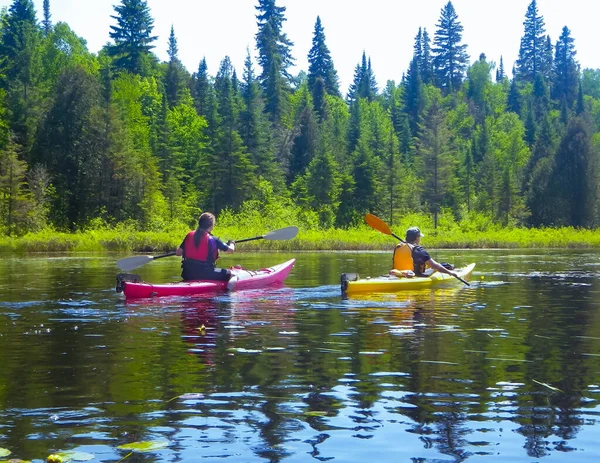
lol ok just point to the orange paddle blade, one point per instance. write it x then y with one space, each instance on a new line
378 224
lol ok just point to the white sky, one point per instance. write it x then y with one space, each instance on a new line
384 29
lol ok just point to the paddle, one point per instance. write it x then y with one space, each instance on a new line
379 225
129 263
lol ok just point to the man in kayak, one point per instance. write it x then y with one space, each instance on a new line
409 257
200 251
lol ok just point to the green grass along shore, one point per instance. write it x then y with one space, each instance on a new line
122 239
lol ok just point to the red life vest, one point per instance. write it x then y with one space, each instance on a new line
200 253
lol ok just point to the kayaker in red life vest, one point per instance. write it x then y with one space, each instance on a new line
411 259
200 251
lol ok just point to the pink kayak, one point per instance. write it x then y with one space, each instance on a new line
134 288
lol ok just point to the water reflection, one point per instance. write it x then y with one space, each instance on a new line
508 367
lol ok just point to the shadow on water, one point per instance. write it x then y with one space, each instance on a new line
508 367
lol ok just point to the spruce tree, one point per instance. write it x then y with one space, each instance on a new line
565 80
232 172
436 158
450 55
320 64
132 36
47 23
305 143
274 56
500 74
426 67
364 84
20 24
533 45
176 77
413 96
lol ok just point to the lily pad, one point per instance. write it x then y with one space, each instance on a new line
148 446
15 460
315 413
69 455
4 452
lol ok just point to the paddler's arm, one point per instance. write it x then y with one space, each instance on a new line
431 263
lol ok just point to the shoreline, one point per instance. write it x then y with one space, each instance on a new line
352 240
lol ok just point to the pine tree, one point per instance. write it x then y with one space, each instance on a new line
547 59
450 56
132 36
533 45
320 64
47 22
274 56
566 70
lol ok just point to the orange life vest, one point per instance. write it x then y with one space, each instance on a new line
403 259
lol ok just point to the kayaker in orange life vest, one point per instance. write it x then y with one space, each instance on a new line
411 259
200 251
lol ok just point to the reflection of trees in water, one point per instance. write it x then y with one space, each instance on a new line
555 338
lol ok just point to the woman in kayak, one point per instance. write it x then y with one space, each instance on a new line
200 251
409 257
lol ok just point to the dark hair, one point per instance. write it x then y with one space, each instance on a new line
205 221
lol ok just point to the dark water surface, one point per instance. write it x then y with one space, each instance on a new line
507 370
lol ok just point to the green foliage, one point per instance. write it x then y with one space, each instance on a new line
132 36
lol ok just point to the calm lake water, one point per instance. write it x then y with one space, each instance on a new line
507 370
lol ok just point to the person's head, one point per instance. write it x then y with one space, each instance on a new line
413 235
206 221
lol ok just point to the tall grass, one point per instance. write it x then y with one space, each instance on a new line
127 239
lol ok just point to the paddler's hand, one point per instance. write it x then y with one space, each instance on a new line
231 245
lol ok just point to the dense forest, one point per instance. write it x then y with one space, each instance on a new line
119 136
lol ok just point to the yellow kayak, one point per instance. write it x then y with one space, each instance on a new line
351 283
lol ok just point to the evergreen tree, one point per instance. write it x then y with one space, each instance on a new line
254 128
500 74
436 158
450 56
47 22
176 77
513 102
547 59
305 143
204 98
274 56
20 52
533 45
230 166
15 200
364 84
413 96
426 68
132 36
320 64
19 25
565 80
575 176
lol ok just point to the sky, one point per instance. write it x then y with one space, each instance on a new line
384 29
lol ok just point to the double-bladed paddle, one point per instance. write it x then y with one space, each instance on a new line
129 263
379 225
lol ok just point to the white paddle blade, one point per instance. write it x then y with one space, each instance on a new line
129 263
286 233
